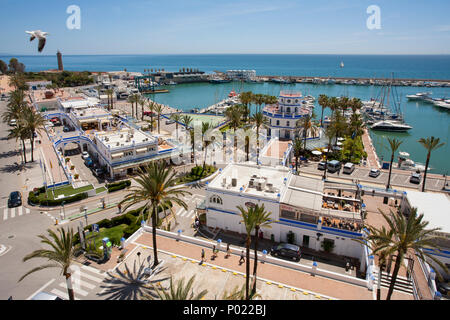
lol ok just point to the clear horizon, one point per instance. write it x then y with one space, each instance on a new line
175 27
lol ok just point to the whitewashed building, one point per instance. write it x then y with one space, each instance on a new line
298 206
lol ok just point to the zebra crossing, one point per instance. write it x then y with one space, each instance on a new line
85 280
196 199
10 213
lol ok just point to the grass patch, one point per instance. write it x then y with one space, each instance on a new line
196 174
100 190
114 234
66 191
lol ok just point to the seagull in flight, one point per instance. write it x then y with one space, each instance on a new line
40 35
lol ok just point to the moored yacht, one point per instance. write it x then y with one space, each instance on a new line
421 96
391 125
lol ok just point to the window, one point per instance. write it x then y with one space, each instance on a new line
289 101
287 123
127 154
296 101
278 122
288 110
216 199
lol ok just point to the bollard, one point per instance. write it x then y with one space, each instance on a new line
56 221
314 268
179 234
219 242
264 256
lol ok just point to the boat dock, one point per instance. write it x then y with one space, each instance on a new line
359 81
221 106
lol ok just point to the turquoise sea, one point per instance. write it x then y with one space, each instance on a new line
427 120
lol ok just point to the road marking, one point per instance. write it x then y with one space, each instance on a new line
27 211
179 211
61 294
88 276
92 269
76 290
40 289
182 215
5 214
190 213
13 212
84 283
20 211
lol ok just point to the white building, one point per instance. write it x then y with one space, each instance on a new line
76 103
283 116
436 210
91 118
298 205
241 74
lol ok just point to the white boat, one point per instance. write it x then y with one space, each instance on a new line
342 64
442 104
390 125
421 96
405 163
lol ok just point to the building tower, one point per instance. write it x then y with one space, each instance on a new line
60 63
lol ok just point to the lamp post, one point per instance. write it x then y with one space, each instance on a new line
85 215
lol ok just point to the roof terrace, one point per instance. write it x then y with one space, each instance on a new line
124 138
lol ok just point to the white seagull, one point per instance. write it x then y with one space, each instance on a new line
40 35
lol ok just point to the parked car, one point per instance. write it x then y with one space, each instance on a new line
13 122
88 162
85 155
15 199
334 166
286 250
349 168
443 287
98 172
45 296
374 173
66 129
169 122
415 178
321 165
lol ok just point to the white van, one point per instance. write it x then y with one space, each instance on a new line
348 168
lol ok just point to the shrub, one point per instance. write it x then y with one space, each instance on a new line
76 175
105 223
67 160
72 167
52 203
127 219
128 231
118 186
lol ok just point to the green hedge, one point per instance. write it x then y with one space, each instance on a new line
118 185
33 199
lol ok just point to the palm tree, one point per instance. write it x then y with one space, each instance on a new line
394 144
109 93
323 102
20 133
430 144
239 294
186 120
151 107
307 127
260 122
246 98
142 103
18 82
15 106
60 255
258 99
261 220
158 110
330 133
207 140
179 291
177 118
234 117
156 187
32 122
134 99
404 234
249 220
297 148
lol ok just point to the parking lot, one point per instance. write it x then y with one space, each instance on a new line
398 178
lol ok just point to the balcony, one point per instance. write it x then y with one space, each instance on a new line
275 112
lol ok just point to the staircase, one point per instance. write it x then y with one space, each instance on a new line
401 283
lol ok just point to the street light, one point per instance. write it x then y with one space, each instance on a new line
64 212
85 215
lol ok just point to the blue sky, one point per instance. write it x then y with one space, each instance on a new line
212 26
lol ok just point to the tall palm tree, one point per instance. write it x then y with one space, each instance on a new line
179 291
60 255
307 126
394 144
156 187
262 220
323 102
15 106
158 110
234 115
110 93
134 100
177 118
330 133
207 140
151 107
258 99
19 132
298 149
186 120
404 234
260 122
430 144
32 122
142 103
18 82
249 220
246 98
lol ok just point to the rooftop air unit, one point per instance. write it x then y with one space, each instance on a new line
234 182
251 183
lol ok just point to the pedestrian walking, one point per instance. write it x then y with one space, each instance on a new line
214 251
119 206
203 254
228 251
242 259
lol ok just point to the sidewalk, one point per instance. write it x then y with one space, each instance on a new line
325 286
